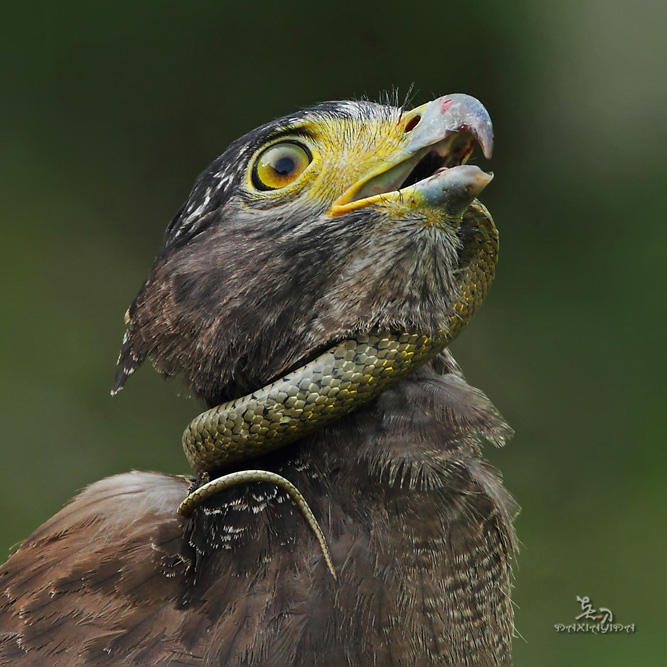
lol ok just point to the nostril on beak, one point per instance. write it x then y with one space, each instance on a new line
412 123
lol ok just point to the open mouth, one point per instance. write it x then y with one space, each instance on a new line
451 152
430 164
411 175
444 134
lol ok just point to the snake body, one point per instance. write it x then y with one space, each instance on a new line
339 380
348 375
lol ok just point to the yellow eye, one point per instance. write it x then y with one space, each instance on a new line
280 165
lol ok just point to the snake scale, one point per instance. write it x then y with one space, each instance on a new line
348 375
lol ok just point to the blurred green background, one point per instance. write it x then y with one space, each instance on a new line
108 111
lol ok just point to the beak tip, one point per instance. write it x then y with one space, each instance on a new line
455 113
487 148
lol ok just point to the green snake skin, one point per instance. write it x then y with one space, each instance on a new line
351 373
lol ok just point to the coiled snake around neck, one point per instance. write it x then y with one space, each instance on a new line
346 376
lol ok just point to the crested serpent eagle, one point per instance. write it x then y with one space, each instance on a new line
306 291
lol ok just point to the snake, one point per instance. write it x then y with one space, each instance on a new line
346 376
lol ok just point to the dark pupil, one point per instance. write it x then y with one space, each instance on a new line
284 166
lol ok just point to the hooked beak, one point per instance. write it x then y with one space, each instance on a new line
430 167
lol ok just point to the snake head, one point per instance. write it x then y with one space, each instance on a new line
335 220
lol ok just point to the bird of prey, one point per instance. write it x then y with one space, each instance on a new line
318 230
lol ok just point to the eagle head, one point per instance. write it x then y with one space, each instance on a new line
329 222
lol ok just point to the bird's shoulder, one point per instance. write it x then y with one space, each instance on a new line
92 570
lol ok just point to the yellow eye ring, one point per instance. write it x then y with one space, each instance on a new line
280 165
